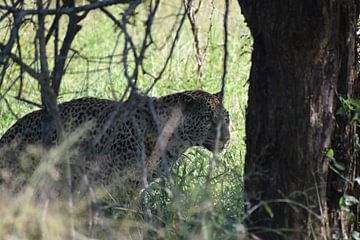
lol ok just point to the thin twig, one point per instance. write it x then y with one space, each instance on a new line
29 102
171 49
192 16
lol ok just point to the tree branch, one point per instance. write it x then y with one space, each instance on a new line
66 11
72 29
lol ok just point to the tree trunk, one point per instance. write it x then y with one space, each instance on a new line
304 59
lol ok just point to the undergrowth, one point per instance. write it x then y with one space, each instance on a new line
189 205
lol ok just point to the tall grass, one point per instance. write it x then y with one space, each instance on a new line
184 207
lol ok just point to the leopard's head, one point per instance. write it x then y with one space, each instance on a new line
206 121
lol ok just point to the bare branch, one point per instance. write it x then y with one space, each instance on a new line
42 44
66 11
29 70
72 29
29 102
223 78
192 16
5 49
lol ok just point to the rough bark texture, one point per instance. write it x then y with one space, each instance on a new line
303 61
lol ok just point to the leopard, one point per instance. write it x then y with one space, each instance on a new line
137 139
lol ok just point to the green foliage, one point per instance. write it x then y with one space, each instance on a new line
347 203
194 201
348 200
335 165
350 106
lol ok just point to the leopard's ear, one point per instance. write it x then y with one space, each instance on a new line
219 95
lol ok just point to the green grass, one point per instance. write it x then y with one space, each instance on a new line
209 214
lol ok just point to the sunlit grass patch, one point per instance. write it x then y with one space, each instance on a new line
189 205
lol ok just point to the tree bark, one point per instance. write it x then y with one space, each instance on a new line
304 59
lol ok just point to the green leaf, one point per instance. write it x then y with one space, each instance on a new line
337 165
355 235
268 209
343 206
353 102
350 200
330 153
341 202
349 105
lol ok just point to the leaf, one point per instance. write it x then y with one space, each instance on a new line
268 209
342 205
330 153
349 105
338 166
355 235
341 202
353 102
350 200
357 180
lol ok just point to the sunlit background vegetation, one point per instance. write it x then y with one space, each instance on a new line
191 205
